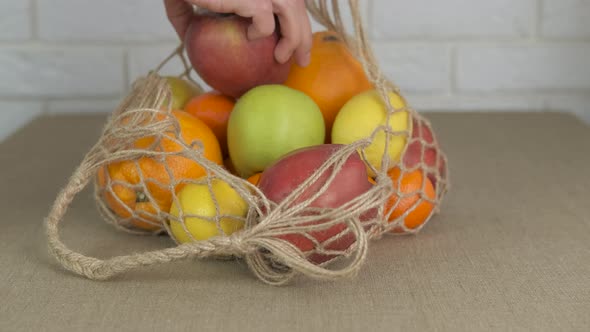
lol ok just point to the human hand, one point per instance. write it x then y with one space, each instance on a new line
296 35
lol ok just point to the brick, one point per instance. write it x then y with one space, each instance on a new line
347 17
524 67
577 105
14 115
145 58
566 18
83 106
37 73
452 18
416 69
106 20
15 21
488 103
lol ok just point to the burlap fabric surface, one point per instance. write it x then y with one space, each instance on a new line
509 252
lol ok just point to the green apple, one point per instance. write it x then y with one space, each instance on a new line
182 91
268 122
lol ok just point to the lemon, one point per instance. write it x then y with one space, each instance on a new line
359 118
196 202
182 91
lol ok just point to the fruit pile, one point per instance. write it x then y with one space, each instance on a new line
274 125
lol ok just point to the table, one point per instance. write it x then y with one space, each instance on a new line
509 251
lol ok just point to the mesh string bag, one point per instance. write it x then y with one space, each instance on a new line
150 143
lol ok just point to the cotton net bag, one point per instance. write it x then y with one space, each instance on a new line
277 240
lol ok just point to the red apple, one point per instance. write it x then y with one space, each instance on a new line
218 47
284 176
422 141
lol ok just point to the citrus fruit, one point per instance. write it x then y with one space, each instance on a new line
362 115
128 198
332 77
182 91
197 204
255 179
214 109
413 191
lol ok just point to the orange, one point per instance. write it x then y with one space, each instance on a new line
255 179
127 195
332 77
214 109
413 188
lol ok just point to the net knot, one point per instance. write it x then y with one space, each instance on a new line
238 244
232 245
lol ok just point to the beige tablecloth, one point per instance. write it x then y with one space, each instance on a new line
510 250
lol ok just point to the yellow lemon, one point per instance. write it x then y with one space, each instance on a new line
182 91
359 118
197 204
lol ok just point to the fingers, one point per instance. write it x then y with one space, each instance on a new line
220 6
295 23
179 14
263 23
303 51
296 31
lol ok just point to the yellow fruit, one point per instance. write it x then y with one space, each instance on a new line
182 91
197 204
359 118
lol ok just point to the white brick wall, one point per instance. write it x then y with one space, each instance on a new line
416 68
61 72
15 20
453 55
105 20
524 67
16 114
565 19
451 19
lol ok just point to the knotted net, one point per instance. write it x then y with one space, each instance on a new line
277 240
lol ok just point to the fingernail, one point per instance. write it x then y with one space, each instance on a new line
280 59
306 59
